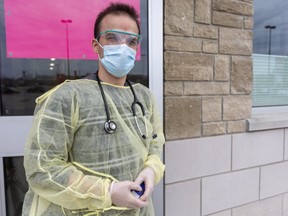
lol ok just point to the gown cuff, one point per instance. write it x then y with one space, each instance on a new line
156 164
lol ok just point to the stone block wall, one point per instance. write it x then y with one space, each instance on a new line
208 67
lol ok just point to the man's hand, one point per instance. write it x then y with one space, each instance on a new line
121 195
147 175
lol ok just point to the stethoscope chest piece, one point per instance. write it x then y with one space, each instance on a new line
110 126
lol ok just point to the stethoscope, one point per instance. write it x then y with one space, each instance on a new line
109 125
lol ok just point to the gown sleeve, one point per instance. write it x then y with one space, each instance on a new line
156 147
48 169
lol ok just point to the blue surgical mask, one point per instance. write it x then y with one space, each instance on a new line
118 59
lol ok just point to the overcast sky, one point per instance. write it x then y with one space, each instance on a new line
273 13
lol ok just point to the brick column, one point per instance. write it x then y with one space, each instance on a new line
208 67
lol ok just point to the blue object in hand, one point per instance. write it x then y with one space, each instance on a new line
138 194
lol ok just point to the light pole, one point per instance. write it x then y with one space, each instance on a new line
270 27
66 22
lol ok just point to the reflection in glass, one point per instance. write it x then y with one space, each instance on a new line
272 14
23 79
66 22
16 185
270 48
35 76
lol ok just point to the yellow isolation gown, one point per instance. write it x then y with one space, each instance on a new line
70 160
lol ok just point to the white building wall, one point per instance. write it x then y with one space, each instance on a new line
243 174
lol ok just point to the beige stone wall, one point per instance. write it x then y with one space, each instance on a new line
208 67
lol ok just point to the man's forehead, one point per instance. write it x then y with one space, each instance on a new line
119 21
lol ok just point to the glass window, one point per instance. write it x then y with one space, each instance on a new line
270 53
41 45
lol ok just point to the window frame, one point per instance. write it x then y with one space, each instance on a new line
267 117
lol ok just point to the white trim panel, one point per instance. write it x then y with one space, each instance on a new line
155 34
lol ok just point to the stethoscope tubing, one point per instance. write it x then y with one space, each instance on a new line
110 126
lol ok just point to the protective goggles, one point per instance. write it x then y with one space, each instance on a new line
119 37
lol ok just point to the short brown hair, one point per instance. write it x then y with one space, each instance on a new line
116 9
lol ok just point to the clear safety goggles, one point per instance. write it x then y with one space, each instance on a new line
119 37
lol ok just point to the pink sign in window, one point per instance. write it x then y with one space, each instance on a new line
34 28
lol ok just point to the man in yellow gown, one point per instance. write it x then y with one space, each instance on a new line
93 141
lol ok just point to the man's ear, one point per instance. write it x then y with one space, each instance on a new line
95 46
